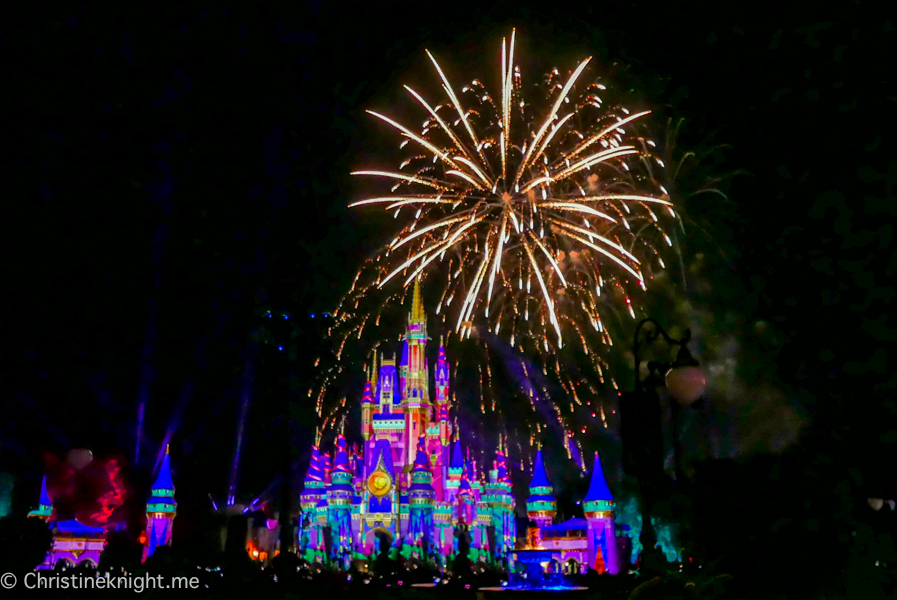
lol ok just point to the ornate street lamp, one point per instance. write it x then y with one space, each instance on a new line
641 419
684 379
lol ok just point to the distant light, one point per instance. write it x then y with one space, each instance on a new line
280 347
270 315
312 315
286 316
326 315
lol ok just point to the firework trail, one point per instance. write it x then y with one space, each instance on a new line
534 214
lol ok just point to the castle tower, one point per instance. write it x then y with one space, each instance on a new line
403 371
339 501
541 506
387 394
501 502
416 399
598 506
367 410
312 492
442 388
160 510
45 509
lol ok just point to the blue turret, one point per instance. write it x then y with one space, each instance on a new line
598 506
541 505
162 500
160 510
598 490
45 508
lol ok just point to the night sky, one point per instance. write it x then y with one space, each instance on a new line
170 174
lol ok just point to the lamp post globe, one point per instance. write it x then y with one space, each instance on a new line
686 384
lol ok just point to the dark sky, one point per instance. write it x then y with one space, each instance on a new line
169 172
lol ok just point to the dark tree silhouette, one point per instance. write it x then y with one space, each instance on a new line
121 552
384 565
24 542
461 564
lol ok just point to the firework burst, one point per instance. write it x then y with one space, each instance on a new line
533 216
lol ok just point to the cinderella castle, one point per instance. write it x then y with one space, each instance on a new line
409 482
411 486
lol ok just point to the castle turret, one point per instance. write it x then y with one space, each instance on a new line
45 509
160 510
541 506
455 470
598 506
312 493
314 482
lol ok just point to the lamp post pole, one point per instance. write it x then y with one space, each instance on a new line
645 435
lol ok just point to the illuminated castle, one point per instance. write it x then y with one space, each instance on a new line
409 482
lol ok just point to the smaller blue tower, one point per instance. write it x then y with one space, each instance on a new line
160 510
541 506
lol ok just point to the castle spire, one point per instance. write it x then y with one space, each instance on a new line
417 308
163 479
598 490
45 507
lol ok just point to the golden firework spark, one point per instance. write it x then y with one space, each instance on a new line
499 197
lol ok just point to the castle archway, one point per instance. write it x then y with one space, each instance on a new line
374 538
